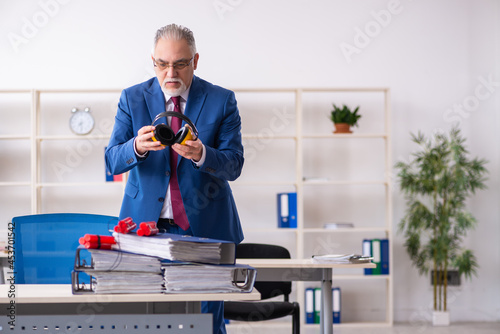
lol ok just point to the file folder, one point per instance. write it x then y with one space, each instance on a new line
384 256
309 308
317 305
336 305
367 251
176 247
287 210
376 256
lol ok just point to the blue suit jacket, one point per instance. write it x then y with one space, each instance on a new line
206 194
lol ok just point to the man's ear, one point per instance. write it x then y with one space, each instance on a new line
195 60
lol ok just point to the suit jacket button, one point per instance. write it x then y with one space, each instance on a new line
167 173
161 199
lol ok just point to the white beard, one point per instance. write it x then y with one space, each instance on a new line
173 92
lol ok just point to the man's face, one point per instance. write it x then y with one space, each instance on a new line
175 54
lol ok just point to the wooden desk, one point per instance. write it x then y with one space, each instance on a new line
304 270
180 311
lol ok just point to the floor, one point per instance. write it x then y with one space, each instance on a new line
457 328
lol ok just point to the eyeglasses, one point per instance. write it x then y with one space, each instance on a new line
179 65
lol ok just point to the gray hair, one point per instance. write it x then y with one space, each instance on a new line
175 32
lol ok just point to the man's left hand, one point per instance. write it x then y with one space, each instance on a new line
193 149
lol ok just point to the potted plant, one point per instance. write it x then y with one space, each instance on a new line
436 184
343 118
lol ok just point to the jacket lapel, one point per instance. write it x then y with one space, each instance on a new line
194 103
155 101
195 100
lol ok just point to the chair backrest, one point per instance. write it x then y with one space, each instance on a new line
265 251
45 244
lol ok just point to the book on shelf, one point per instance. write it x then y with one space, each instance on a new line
336 298
176 247
379 250
309 307
335 226
313 305
287 210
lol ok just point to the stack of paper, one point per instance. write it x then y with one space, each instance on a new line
341 258
127 282
112 271
107 260
177 248
197 278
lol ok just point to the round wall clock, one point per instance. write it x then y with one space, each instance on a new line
81 121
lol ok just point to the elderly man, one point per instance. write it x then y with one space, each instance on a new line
182 186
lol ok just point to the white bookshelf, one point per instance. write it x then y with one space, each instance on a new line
287 137
295 144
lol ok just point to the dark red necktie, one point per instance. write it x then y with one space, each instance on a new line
180 217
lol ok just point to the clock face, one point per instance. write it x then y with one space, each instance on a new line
81 122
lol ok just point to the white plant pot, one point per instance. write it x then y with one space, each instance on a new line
440 318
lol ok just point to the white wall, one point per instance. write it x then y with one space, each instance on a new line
433 55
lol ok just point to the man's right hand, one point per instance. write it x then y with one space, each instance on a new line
144 143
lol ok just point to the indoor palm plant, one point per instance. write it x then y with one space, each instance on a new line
437 183
343 118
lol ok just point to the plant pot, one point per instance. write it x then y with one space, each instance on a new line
342 128
440 318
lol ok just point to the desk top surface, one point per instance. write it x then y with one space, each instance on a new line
299 263
61 293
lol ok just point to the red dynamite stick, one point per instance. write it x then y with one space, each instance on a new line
126 225
96 245
104 239
147 229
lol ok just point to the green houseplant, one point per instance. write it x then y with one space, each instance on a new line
436 184
343 118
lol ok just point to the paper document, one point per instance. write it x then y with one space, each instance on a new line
341 258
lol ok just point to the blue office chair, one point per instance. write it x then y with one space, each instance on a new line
45 244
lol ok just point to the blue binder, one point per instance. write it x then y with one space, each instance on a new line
336 305
367 251
309 309
287 210
384 256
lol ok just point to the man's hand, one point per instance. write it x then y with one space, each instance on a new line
191 150
143 141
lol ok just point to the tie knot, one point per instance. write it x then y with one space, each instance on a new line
177 102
